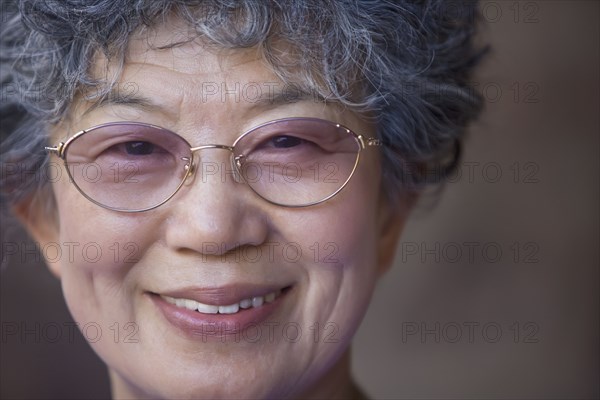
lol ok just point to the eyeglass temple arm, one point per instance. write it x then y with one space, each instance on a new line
366 141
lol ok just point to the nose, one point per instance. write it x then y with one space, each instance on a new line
216 212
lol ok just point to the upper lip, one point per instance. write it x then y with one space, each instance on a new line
223 295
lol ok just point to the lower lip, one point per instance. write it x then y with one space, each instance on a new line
205 326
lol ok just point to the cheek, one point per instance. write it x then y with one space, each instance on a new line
99 250
100 237
350 225
340 268
347 247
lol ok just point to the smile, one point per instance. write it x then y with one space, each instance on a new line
193 305
204 313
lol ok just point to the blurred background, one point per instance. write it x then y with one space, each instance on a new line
494 294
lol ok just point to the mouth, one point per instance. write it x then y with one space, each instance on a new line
251 302
219 312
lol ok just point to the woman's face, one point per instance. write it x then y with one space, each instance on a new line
218 243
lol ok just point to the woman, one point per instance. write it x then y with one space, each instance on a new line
231 178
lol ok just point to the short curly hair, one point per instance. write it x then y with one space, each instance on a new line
406 63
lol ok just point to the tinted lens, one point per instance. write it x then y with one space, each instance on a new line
128 166
297 162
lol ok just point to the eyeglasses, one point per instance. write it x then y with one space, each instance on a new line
134 167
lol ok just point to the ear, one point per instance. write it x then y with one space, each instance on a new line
38 215
393 214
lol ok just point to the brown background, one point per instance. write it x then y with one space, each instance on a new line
541 133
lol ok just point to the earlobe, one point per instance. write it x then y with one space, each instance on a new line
41 222
392 218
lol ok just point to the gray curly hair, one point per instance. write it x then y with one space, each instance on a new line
407 63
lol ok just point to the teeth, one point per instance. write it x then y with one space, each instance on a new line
207 308
257 301
246 303
232 309
189 304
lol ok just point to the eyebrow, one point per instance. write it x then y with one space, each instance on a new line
284 96
267 100
117 97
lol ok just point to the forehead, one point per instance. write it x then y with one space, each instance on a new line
174 79
171 46
170 50
171 65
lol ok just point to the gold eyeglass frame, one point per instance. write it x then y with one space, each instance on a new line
61 148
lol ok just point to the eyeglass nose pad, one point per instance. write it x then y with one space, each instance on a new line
189 168
236 165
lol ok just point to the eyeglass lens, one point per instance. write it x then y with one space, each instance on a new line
134 166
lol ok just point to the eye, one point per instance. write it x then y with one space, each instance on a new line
139 148
284 142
